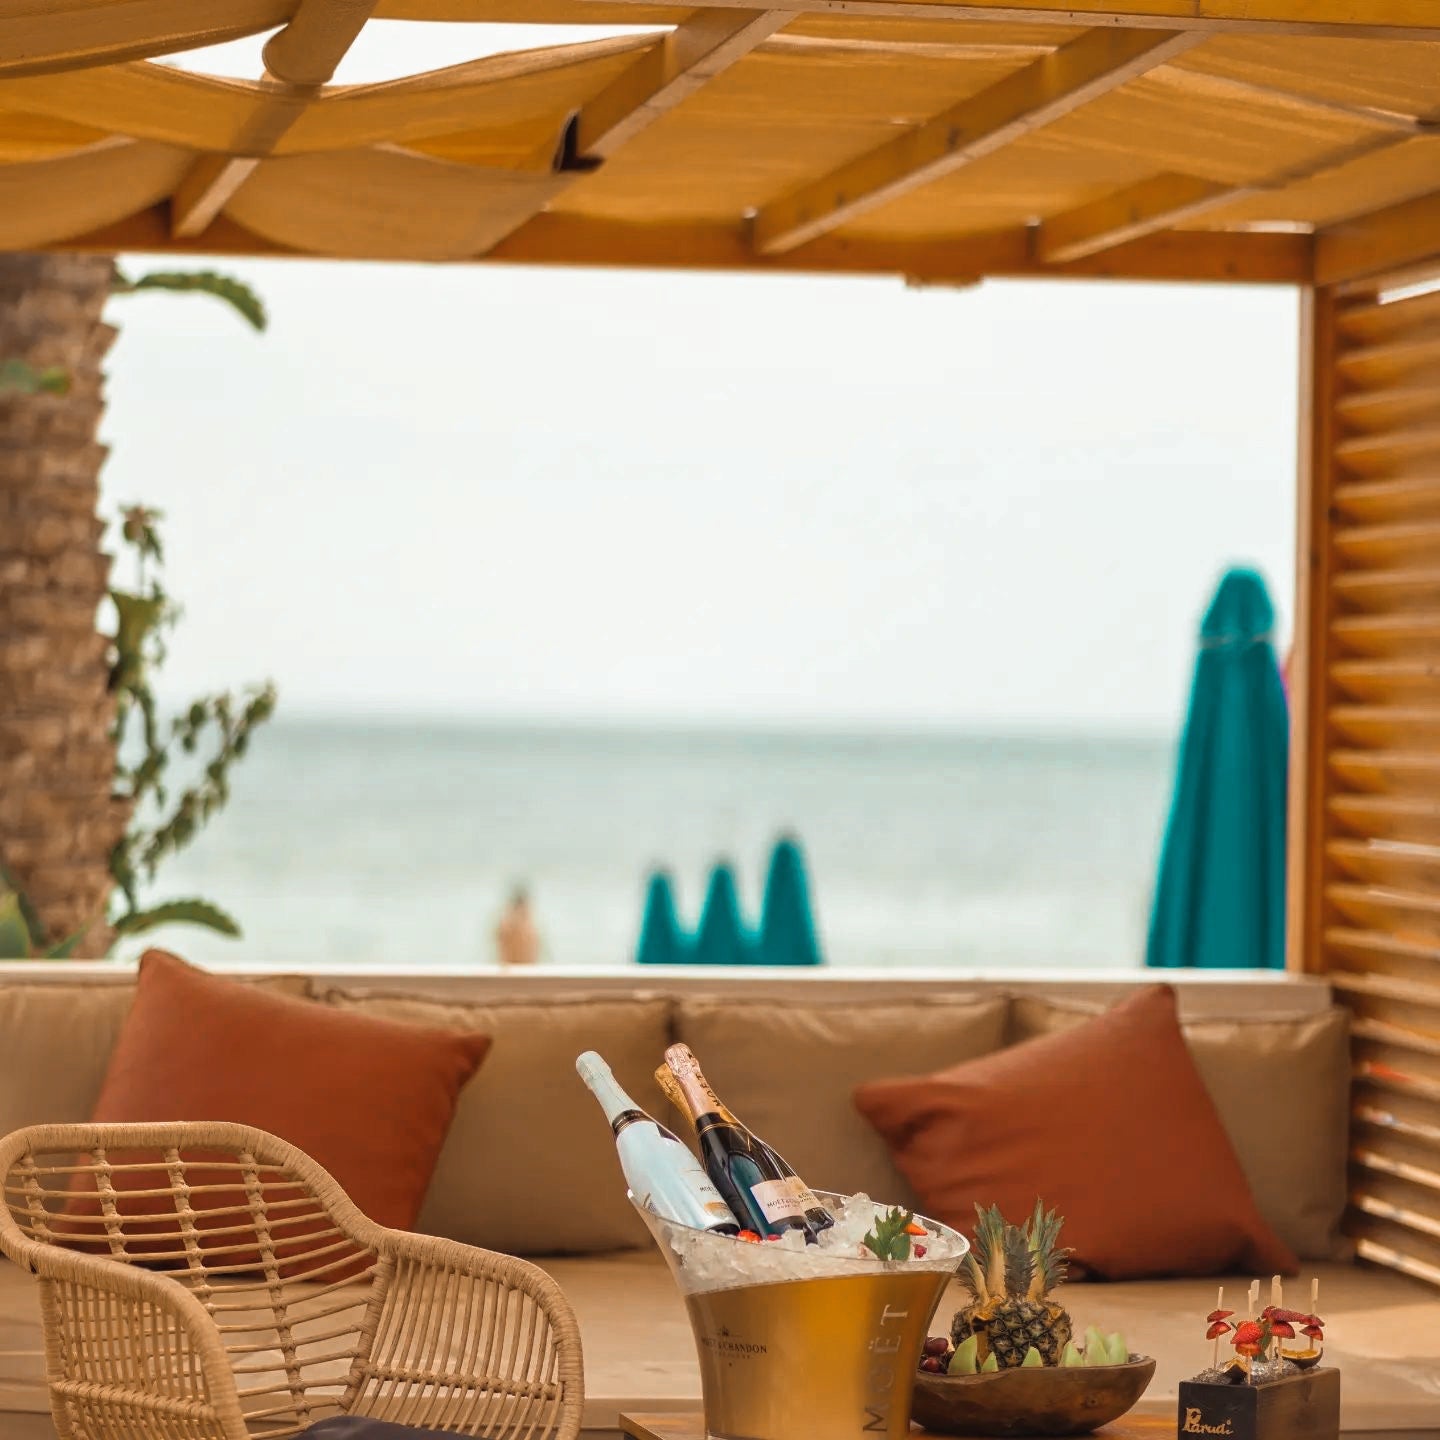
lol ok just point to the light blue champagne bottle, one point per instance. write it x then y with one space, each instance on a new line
662 1174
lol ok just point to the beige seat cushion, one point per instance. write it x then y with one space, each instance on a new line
1282 1087
1384 1334
55 1044
529 1165
787 1070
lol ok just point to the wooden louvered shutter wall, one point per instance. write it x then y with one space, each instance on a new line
1367 773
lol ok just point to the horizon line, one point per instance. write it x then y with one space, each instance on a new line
779 726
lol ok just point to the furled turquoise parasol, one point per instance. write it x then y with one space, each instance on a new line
1220 895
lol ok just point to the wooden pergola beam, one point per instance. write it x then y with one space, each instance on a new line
704 45
1124 215
1382 19
1054 85
299 59
1167 200
1398 238
1229 258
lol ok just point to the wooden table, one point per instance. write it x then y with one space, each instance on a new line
689 1425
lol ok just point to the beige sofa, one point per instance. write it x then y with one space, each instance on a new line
529 1166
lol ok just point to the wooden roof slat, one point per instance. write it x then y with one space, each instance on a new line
704 46
1169 200
299 59
1152 205
1041 92
1382 242
1383 19
693 54
67 34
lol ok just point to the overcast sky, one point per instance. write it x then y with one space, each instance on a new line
507 493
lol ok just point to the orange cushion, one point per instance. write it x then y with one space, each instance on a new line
1109 1123
370 1100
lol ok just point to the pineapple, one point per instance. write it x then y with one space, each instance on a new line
1010 1271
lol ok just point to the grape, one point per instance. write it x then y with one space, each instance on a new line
937 1345
933 1365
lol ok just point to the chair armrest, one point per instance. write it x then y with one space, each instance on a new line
128 1351
469 1340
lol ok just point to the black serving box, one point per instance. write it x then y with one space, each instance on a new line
1300 1407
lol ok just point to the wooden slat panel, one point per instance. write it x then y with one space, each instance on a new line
1389 1152
1395 911
1380 891
1382 590
1388 772
1400 499
1396 682
1390 545
1399 1247
1379 1108
1389 726
1393 363
1388 817
1378 321
1382 1078
1409 1052
1368 943
1395 1200
1385 863
1392 408
1399 1024
1408 635
1413 451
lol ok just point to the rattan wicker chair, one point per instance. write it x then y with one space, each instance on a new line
211 1282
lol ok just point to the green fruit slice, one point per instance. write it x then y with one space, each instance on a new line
962 1362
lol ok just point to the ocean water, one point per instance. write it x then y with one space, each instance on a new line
395 844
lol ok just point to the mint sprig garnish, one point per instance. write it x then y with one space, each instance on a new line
888 1239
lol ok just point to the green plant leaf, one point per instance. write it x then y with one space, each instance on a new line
21 378
27 910
136 617
66 948
235 293
178 912
888 1240
15 941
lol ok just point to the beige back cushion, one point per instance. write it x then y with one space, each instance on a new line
55 1044
1282 1087
529 1166
787 1070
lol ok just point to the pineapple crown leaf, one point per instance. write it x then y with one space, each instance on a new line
887 1239
989 1250
1049 1268
1019 1262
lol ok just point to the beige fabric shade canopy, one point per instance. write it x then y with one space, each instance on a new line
1268 140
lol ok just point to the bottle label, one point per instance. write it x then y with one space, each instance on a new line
780 1199
808 1199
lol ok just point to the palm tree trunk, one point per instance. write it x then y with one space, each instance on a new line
58 818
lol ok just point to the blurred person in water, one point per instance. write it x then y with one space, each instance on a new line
516 939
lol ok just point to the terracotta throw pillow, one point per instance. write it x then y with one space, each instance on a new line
369 1099
1109 1123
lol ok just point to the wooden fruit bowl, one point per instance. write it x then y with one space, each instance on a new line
1062 1401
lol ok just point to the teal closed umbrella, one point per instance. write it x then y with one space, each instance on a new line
787 929
721 938
1220 895
661 939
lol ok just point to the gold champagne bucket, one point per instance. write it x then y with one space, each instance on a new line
828 1356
